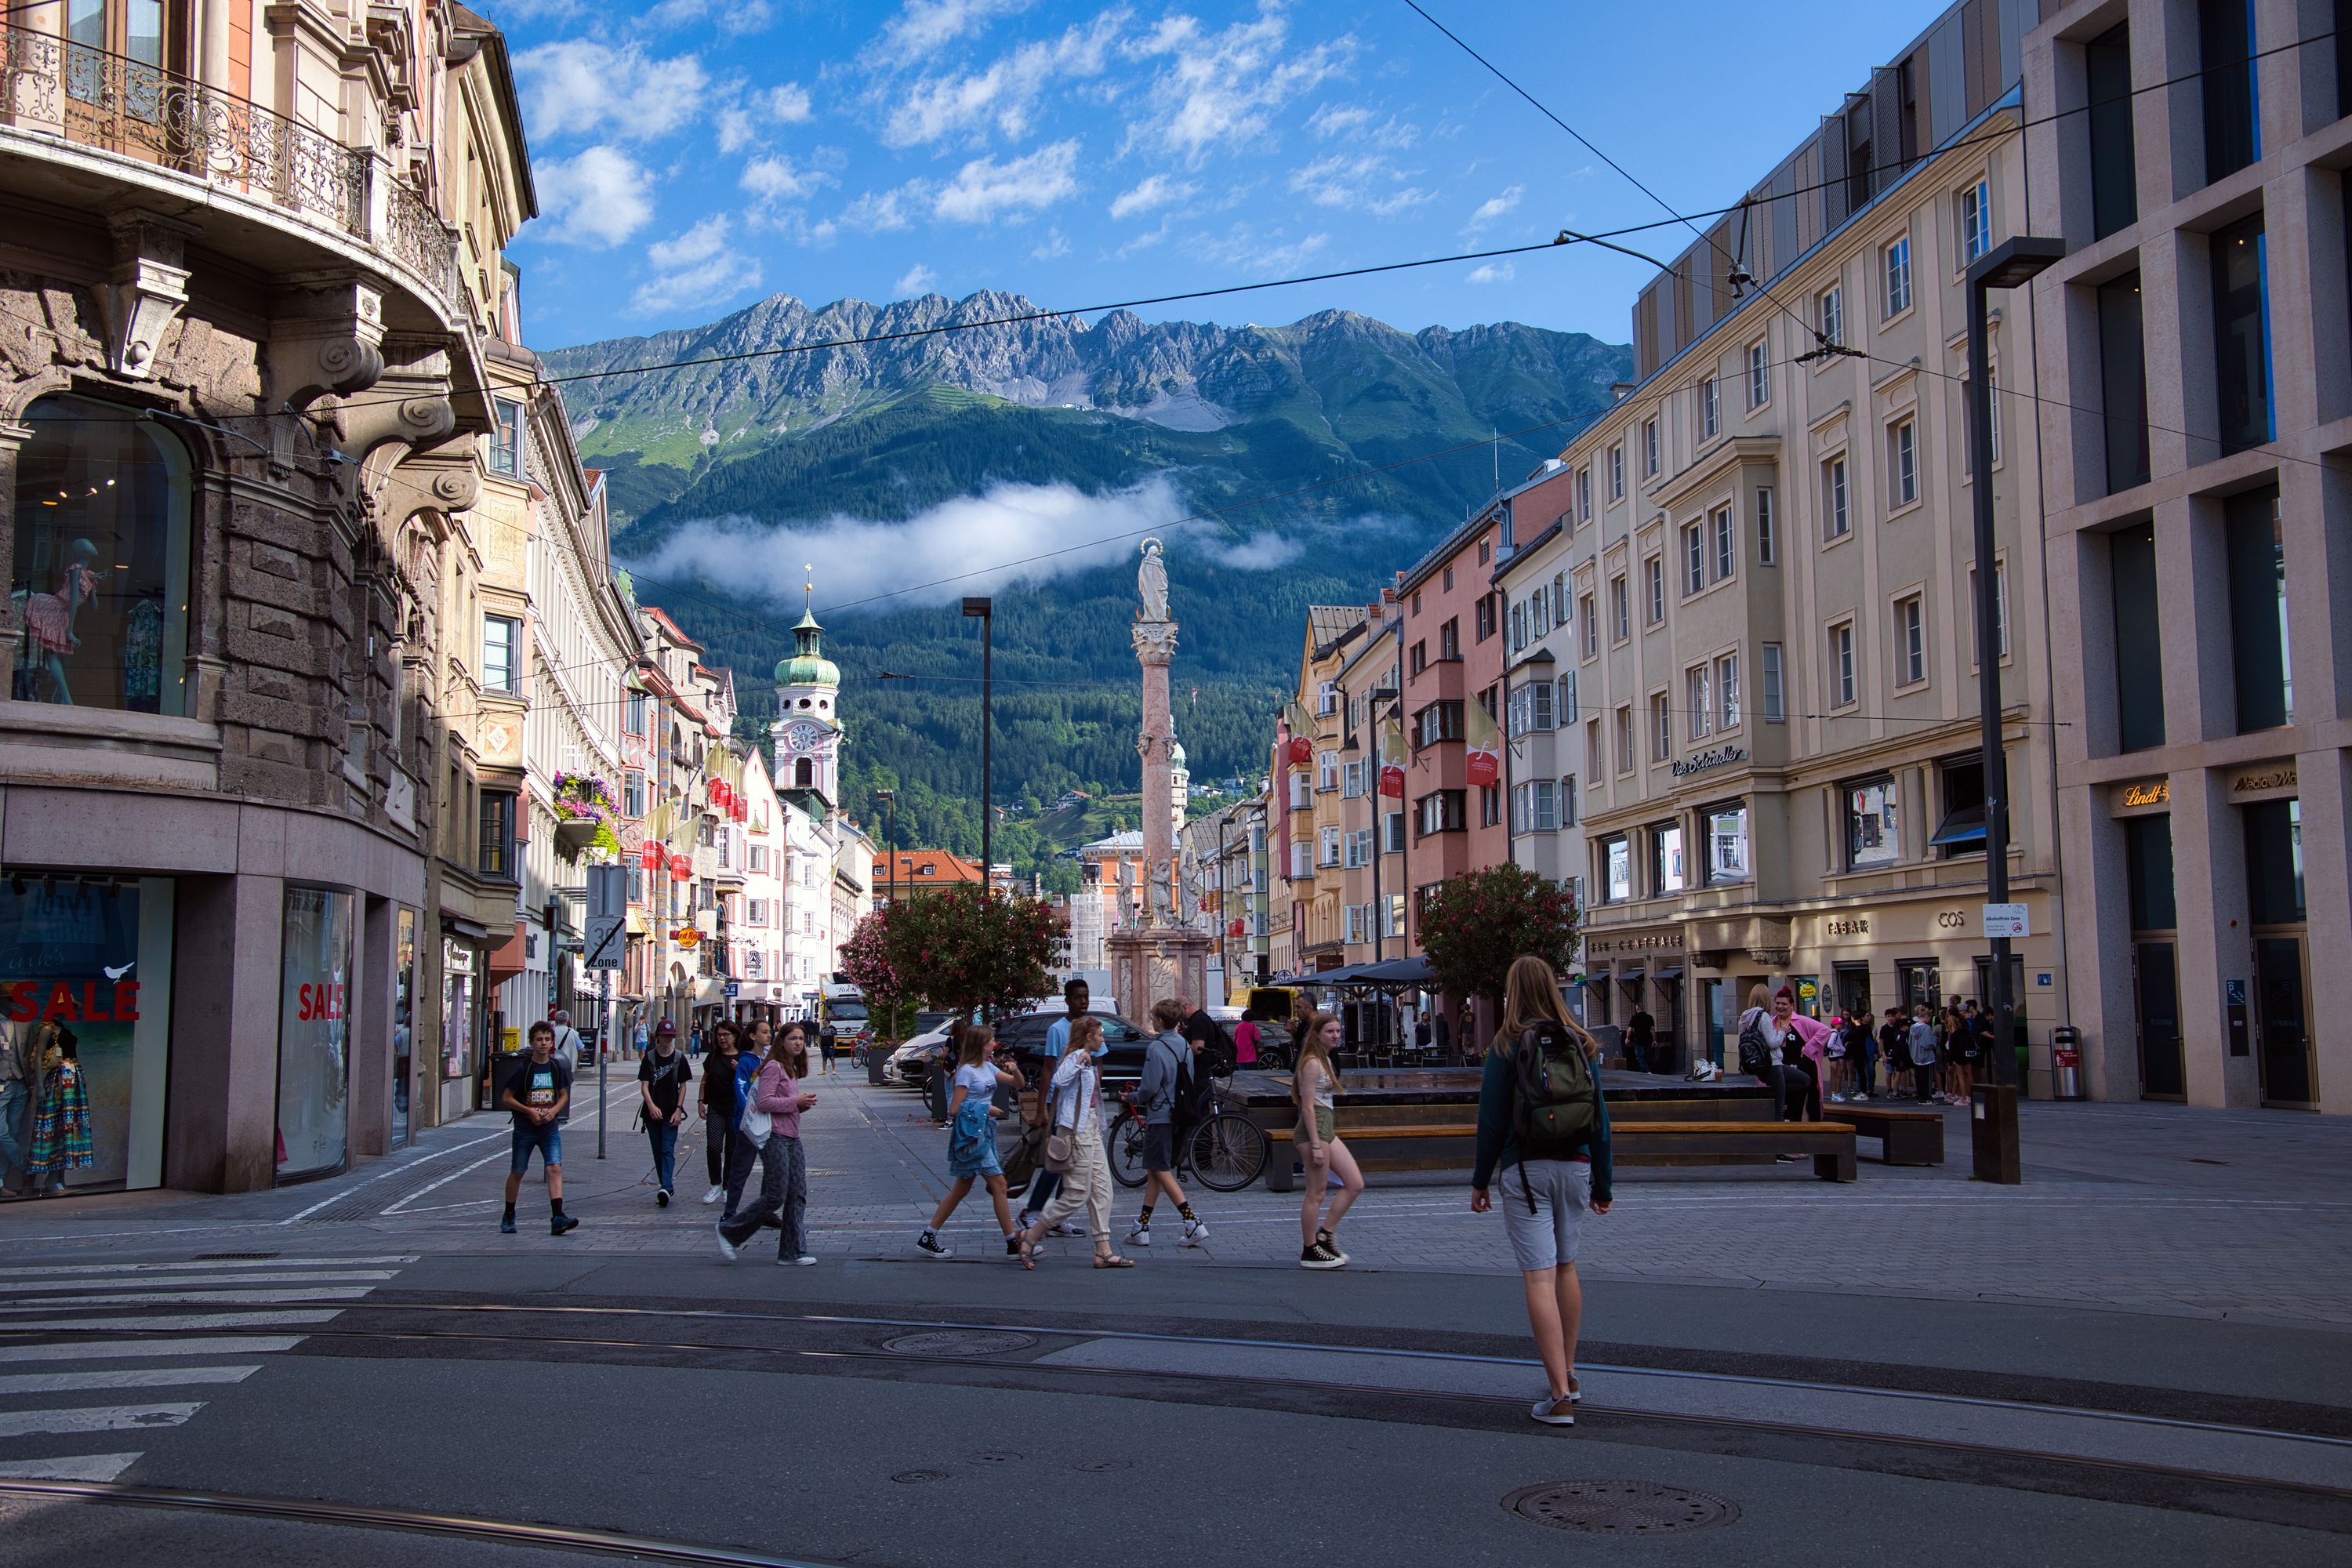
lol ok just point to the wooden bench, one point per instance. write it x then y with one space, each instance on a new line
1905 1137
1830 1143
1452 1146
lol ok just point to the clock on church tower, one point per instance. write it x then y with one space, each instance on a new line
807 729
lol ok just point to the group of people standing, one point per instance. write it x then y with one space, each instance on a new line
1806 1060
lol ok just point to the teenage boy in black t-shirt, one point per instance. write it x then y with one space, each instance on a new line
663 1074
538 1094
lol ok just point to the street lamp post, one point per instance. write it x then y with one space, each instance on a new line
984 610
2011 266
890 799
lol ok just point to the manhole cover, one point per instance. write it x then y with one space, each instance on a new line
916 1478
958 1342
1101 1467
1620 1508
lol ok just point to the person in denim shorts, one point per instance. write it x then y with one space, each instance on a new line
538 1094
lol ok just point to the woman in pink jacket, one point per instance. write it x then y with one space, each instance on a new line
1803 1044
784 1170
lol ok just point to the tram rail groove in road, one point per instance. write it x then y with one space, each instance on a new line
1609 1418
307 1510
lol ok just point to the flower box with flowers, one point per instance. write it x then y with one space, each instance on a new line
586 815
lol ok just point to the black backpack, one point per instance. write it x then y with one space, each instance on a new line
1193 1101
1555 1098
1755 1049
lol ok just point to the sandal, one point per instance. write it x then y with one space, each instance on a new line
1115 1262
1028 1253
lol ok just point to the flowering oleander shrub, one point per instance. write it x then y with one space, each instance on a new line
1476 923
959 950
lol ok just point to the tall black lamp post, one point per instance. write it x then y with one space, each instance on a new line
1994 1120
890 799
984 610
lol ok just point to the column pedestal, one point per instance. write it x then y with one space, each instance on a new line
1155 962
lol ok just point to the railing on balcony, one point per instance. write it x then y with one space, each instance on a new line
94 98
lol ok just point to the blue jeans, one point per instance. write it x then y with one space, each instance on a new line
664 1136
784 1198
13 1100
547 1140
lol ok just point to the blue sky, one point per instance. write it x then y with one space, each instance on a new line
694 155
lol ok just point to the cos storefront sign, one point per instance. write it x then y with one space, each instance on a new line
314 1033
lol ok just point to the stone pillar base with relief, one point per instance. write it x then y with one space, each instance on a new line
1150 965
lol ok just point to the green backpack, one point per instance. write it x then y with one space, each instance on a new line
1555 1097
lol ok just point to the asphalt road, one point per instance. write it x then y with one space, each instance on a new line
185 1381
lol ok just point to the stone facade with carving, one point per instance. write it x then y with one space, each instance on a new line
251 302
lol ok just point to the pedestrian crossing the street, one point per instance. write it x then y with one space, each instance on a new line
92 1353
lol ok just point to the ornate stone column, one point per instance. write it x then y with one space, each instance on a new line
1164 957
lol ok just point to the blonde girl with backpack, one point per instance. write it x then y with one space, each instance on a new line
1314 1080
1543 1120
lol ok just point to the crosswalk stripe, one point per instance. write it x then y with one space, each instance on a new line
120 1377
257 1344
178 1282
176 1297
210 1266
174 1322
75 1467
95 1419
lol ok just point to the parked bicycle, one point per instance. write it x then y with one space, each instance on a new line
1226 1152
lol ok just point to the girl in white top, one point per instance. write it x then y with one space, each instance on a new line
1075 1098
971 1138
1320 1152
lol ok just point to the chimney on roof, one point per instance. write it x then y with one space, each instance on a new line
1618 389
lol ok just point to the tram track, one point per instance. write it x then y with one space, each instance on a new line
842 1344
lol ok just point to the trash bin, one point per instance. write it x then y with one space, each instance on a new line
503 1066
935 1090
2066 1063
877 1055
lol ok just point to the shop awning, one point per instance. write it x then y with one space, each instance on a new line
1669 972
507 957
464 930
1633 972
1963 825
709 991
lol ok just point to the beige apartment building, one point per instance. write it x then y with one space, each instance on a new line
1771 572
1310 822
2196 364
1544 761
1372 824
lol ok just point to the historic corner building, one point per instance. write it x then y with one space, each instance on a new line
1770 671
242 410
2197 343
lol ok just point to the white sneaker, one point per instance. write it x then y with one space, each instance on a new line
1553 1411
714 1195
1193 1233
1069 1227
1139 1235
792 1262
1837 1099
726 1250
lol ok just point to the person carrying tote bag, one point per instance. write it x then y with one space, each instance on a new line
1074 1146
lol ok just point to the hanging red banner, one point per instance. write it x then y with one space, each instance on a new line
652 856
1302 751
680 869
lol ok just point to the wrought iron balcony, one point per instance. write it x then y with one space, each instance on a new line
89 98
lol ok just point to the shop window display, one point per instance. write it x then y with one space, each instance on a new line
314 1033
100 574
85 1009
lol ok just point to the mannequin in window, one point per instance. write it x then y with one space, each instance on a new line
50 626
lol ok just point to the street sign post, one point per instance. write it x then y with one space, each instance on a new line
608 919
2005 921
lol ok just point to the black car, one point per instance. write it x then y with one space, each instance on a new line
1023 1040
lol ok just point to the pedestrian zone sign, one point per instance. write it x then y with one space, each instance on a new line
2005 920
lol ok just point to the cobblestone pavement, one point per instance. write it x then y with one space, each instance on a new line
2135 1209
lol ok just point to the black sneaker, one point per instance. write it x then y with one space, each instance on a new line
1324 1239
507 1226
1318 1256
1012 1247
930 1246
562 1223
661 1198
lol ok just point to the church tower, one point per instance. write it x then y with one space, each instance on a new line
807 729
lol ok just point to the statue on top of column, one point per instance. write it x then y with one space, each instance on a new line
1151 582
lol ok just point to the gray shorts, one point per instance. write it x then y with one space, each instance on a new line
1547 1238
1160 1146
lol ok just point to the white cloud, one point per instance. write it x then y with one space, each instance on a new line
578 85
778 179
1246 250
1341 181
1155 192
597 199
1055 246
1260 551
697 268
1491 273
1222 87
1006 94
1496 206
918 279
728 16
739 123
856 559
983 189
1353 122
875 212
923 26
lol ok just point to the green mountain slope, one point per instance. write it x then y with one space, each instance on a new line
784 429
